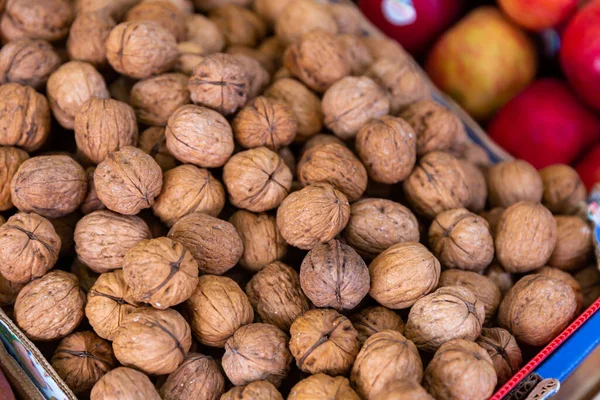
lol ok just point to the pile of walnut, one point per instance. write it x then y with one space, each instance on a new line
249 200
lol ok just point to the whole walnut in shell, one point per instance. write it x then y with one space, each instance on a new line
190 55
377 224
8 290
214 243
217 308
87 37
128 181
163 12
52 186
86 276
502 279
65 229
348 18
589 282
315 214
566 277
323 341
403 389
70 86
357 53
574 244
321 386
460 370
385 357
205 33
199 136
564 192
28 62
503 350
257 352
116 385
11 159
403 274
239 25
382 46
477 186
372 320
48 20
525 237
451 312
537 308
300 17
270 10
254 390
50 307
81 359
24 117
512 181
156 99
153 142
258 77
493 217
333 275
198 377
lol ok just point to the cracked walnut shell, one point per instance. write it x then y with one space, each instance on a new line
239 25
124 384
28 62
301 17
372 320
49 20
512 181
155 99
87 37
164 13
504 351
262 390
153 142
11 159
322 386
198 377
574 245
564 192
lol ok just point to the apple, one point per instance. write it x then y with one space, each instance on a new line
589 168
537 15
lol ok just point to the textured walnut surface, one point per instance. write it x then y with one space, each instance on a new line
197 376
372 320
512 181
574 244
124 384
156 99
88 35
503 350
28 62
321 386
403 389
564 192
11 159
263 390
301 17
48 20
164 13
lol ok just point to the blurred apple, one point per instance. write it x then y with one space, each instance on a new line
538 15
589 168
482 62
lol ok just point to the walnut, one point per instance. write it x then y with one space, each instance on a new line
460 370
320 139
24 117
208 5
114 8
504 351
254 390
357 53
272 47
267 61
156 99
87 37
288 159
348 18
385 357
493 217
141 49
372 320
257 179
566 277
128 181
438 183
190 55
387 147
164 13
153 142
70 86
109 300
257 352
333 275
103 237
65 229
574 244
8 290
214 243
81 359
323 341
512 181
199 136
477 186
239 25
198 377
48 20
525 237
502 279
205 33
120 88
258 77
28 62
451 312
270 10
50 307
52 186
11 159
564 192
403 274
86 276
315 214
117 385
301 17
589 280
321 386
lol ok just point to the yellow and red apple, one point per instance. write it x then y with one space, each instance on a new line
538 15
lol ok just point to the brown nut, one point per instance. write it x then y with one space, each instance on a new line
116 385
214 243
348 18
564 192
566 277
87 37
460 370
257 179
372 320
164 13
24 117
65 229
512 181
537 309
217 308
8 290
385 357
103 126
128 181
190 55
270 10
11 159
525 237
239 25
403 274
321 386
257 352
589 281
574 244
493 217
437 184
382 46
333 275
477 186
199 136
153 142
377 224
254 390
301 17
315 214
48 20
50 307
86 276
28 62
198 377
451 312
114 8
357 53
205 33
403 389
323 341
156 99
269 61
504 351
502 279
52 186
81 359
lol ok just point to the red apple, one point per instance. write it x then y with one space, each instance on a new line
538 15
589 168
545 124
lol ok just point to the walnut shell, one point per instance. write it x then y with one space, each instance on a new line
382 46
156 99
190 55
153 142
50 307
239 25
525 237
403 274
502 279
86 276
257 352
254 390
11 159
24 117
323 341
117 385
52 186
199 136
164 13
403 389
348 18
65 229
48 20
333 275
81 359
357 53
87 37
8 290
512 181
564 192
385 357
28 62
589 280
301 17
460 370
504 351
315 214
205 33
321 386
574 244
268 61
372 320
217 308
566 277
270 10
257 179
451 312
477 186
493 217
198 377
